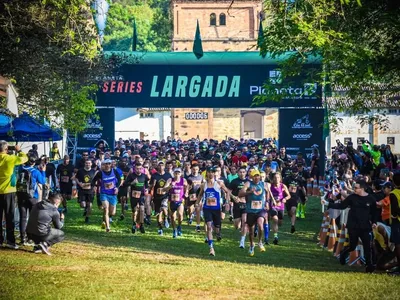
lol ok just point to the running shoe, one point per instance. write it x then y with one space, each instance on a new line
37 249
266 242
190 221
212 251
108 229
206 240
230 218
251 251
302 215
147 221
262 248
103 225
241 245
174 233
111 220
275 241
121 217
219 237
133 228
166 223
12 246
292 229
179 231
44 248
160 232
198 228
142 228
87 220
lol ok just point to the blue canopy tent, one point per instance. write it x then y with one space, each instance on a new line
27 129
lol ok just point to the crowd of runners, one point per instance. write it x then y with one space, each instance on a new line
251 183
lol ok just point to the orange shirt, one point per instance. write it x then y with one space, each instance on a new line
385 208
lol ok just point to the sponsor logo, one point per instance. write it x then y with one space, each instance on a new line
92 136
302 136
292 149
275 77
303 122
93 123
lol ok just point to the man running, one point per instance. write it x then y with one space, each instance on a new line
177 188
65 172
160 199
194 180
110 181
210 195
256 207
84 178
139 184
239 204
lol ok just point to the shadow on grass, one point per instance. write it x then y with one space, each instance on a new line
296 251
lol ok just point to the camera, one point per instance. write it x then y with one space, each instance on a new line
11 148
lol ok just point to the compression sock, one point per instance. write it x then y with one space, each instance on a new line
211 243
266 231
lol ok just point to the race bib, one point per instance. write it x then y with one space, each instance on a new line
211 201
86 186
160 191
65 179
193 197
256 204
175 197
109 185
136 194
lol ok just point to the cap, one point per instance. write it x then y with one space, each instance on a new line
387 184
176 170
93 151
210 169
160 162
107 161
254 173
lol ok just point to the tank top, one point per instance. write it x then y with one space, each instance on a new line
256 201
108 183
176 193
277 192
212 197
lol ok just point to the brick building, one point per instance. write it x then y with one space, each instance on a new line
223 27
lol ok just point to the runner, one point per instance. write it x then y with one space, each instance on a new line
84 178
110 181
278 192
291 205
139 184
123 190
239 204
178 189
210 196
65 172
256 207
158 182
194 180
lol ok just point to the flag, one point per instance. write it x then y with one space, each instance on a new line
134 36
197 45
260 39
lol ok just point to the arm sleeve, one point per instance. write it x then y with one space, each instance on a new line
118 178
394 206
341 205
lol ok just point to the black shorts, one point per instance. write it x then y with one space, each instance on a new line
85 197
173 206
122 192
66 190
292 202
135 201
395 234
211 215
252 218
66 196
238 210
160 203
274 212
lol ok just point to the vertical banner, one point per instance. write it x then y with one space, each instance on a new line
100 127
300 129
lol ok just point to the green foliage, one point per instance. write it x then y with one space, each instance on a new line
153 22
50 50
357 40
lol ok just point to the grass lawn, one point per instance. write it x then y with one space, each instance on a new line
92 264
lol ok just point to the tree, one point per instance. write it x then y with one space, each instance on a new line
357 41
153 22
50 50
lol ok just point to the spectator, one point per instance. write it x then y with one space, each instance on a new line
8 189
395 218
33 151
54 153
42 216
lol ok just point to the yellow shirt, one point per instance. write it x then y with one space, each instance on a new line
7 165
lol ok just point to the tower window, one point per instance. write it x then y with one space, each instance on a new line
222 19
213 20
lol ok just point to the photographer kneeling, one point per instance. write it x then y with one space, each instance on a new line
39 229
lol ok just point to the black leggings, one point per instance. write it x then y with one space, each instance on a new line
365 236
25 204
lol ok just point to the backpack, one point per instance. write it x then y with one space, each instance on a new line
24 182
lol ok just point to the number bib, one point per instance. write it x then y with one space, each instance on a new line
65 179
175 197
109 185
160 191
136 194
256 204
211 201
86 186
193 197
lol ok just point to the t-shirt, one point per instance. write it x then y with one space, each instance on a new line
65 172
85 177
160 180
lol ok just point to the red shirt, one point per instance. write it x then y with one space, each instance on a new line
236 159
